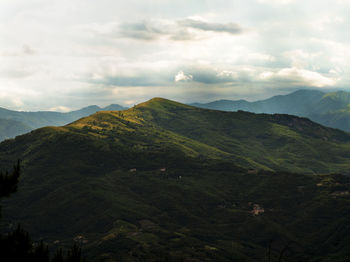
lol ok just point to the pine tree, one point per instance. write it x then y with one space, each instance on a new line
8 183
15 246
74 254
40 253
58 257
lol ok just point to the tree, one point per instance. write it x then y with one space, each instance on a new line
74 254
8 182
58 257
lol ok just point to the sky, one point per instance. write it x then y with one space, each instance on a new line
66 54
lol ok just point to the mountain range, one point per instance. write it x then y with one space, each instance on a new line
14 123
164 181
329 109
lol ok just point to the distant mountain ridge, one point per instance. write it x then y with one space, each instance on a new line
13 123
11 128
329 109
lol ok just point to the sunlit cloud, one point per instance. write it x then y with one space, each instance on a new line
300 77
276 2
181 76
230 28
62 109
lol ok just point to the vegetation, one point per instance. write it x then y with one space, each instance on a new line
167 181
17 245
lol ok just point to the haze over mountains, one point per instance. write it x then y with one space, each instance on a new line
172 182
13 123
329 109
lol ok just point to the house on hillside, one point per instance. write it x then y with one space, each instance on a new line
257 210
253 171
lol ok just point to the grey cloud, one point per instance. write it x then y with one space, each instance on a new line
201 75
154 30
27 50
207 77
16 52
183 35
142 30
13 73
177 31
211 76
141 80
230 28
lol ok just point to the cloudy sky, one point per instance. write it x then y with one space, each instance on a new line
66 54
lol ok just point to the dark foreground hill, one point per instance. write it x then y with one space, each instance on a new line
13 123
172 182
329 109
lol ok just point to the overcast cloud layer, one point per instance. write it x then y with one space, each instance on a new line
66 54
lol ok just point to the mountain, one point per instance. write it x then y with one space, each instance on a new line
10 128
113 107
296 103
27 121
329 109
169 182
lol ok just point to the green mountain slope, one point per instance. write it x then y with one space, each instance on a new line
33 120
334 101
329 109
167 180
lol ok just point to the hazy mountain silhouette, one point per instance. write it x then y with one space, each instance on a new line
329 109
15 123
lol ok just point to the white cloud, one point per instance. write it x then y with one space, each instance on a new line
11 101
60 109
300 77
24 50
182 77
276 2
301 59
260 57
184 29
266 75
228 74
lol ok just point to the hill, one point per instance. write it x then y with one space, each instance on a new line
329 109
167 180
27 121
